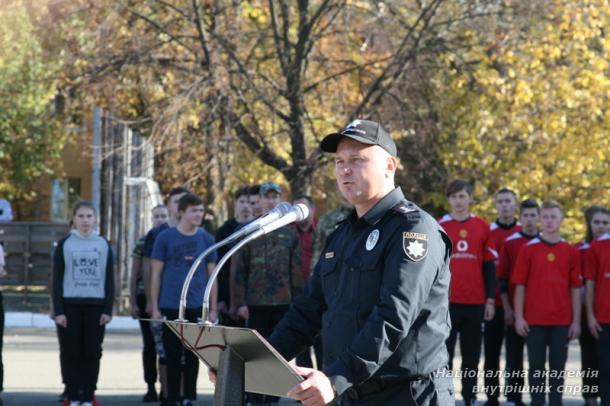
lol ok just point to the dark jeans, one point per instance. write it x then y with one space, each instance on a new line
555 338
174 351
493 336
81 343
264 319
149 355
588 359
62 356
603 354
467 321
304 358
514 364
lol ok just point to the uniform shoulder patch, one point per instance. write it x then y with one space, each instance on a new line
415 245
409 210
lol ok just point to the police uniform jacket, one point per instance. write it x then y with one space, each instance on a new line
379 297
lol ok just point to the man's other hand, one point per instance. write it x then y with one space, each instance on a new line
315 390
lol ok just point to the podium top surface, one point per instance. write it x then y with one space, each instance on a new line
266 371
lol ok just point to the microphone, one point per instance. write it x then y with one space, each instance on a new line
278 212
298 212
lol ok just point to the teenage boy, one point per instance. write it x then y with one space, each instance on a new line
174 217
505 225
242 215
137 295
597 275
255 201
267 277
174 252
529 218
473 281
547 303
174 196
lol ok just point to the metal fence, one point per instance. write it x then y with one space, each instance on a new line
28 252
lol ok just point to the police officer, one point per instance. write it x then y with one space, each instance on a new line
379 293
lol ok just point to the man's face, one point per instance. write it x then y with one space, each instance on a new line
173 205
84 220
506 204
600 224
269 200
192 216
460 201
361 171
160 215
529 219
242 207
255 205
551 220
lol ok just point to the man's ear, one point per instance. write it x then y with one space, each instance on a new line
391 164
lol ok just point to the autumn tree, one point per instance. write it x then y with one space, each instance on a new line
528 106
31 135
237 83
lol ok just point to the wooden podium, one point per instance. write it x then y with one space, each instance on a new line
242 358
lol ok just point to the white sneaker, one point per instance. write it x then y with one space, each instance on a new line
76 403
86 404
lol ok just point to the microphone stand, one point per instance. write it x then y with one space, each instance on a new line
232 360
298 213
208 289
189 276
235 236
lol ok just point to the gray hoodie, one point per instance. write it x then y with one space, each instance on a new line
83 272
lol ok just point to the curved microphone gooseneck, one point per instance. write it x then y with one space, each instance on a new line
279 211
299 212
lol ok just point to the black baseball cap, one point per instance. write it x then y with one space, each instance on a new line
364 131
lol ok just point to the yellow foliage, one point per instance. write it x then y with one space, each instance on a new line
542 119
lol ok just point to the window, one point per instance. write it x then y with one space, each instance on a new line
64 194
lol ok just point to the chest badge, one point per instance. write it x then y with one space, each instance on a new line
551 257
415 245
372 239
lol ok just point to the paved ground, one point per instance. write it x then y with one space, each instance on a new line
31 364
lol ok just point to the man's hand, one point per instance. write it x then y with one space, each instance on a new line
594 326
61 320
105 319
149 308
243 312
156 314
315 390
212 375
521 327
490 309
574 331
509 316
213 316
135 311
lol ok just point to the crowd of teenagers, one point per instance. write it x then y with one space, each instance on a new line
514 281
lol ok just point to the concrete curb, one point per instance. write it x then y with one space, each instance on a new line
41 320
